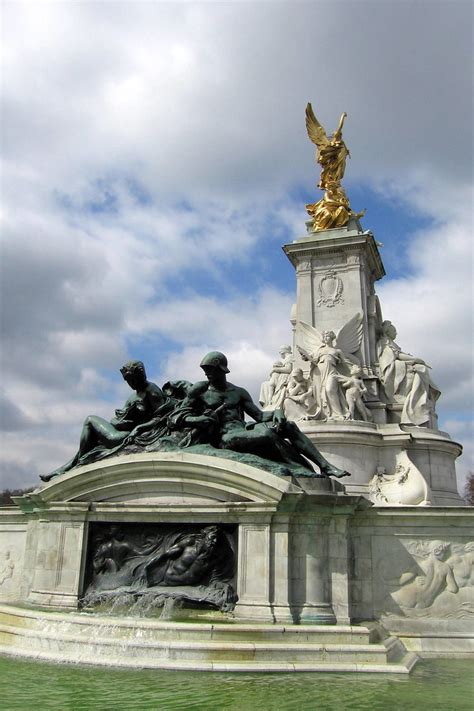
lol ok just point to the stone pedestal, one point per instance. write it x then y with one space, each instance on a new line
59 557
363 448
336 271
285 545
307 553
335 275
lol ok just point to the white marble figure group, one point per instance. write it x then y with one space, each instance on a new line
406 380
333 387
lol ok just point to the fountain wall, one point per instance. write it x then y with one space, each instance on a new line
305 551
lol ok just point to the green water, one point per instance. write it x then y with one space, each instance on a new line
434 684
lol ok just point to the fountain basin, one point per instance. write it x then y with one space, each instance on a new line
232 646
310 565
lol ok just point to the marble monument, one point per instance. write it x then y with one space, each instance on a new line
326 534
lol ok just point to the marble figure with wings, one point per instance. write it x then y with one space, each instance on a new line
330 356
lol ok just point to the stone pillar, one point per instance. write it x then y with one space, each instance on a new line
59 553
280 570
339 563
253 572
310 591
335 274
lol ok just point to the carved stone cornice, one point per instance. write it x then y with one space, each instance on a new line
356 247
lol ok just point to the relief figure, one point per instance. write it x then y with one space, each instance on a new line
188 562
162 564
420 591
7 567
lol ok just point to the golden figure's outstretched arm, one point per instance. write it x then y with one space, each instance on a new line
338 132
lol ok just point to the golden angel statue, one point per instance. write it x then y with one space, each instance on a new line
334 209
332 152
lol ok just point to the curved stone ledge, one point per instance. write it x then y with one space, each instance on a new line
134 642
363 447
167 477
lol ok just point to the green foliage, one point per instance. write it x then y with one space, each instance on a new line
469 489
6 495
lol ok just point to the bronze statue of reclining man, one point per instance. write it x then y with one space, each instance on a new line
217 408
209 412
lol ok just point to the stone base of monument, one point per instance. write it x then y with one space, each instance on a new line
407 465
232 647
391 463
277 572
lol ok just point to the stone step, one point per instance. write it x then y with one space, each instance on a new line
167 645
138 646
404 666
123 627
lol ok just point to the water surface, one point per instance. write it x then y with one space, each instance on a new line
433 685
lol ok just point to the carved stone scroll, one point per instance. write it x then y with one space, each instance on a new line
406 486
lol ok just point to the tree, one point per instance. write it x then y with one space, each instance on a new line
6 495
469 489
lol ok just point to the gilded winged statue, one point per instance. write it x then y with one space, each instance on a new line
333 210
332 152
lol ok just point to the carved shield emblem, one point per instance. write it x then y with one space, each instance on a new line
330 290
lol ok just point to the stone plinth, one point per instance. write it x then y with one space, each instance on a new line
307 553
335 275
336 271
364 447
283 549
235 647
413 570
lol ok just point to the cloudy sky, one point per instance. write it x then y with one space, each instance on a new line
155 160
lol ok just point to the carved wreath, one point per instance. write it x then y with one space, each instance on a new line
330 290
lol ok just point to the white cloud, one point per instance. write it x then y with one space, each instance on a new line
208 96
432 308
149 150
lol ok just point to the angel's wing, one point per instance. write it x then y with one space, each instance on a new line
311 337
315 131
349 337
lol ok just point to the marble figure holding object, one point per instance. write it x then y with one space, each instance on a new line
355 390
299 403
273 390
406 380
